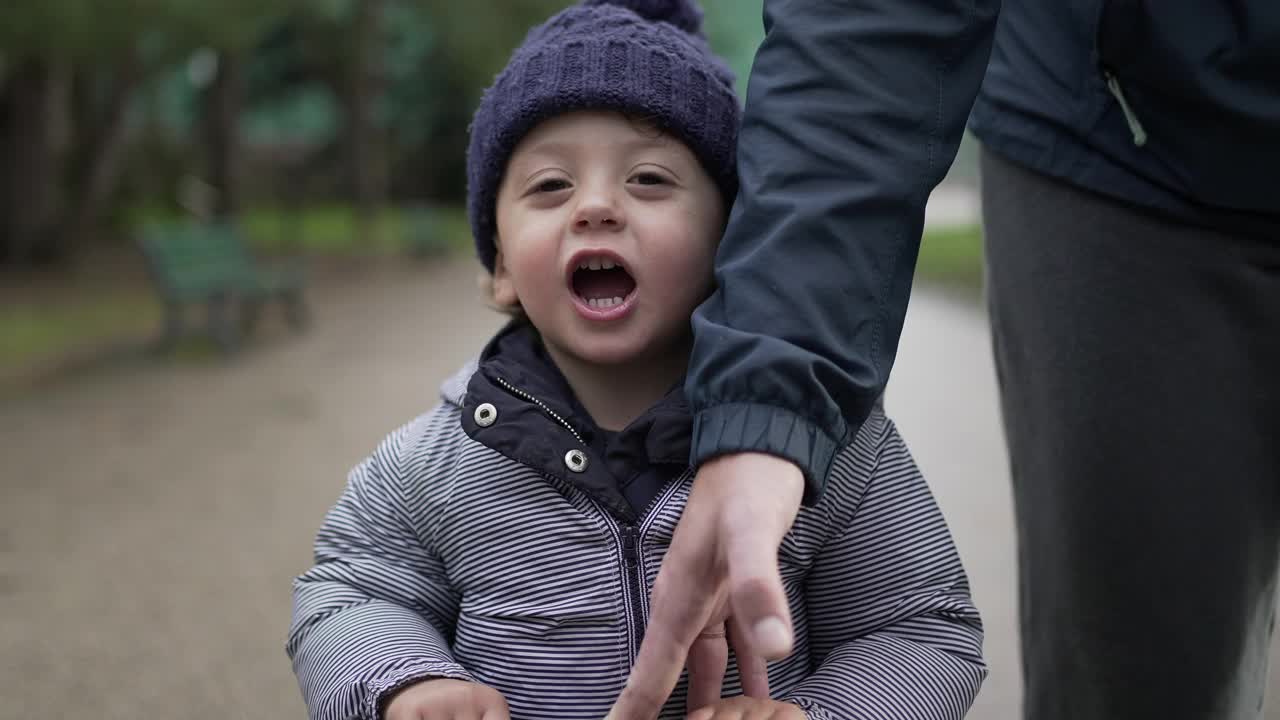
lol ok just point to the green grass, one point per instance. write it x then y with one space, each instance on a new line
952 257
335 230
36 334
332 230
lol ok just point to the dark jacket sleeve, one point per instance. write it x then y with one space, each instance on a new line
854 113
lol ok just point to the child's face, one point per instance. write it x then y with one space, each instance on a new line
606 235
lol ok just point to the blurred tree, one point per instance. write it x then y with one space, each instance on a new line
434 91
331 49
28 144
73 67
362 86
97 147
315 99
224 100
735 28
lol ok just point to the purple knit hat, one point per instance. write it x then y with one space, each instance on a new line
642 57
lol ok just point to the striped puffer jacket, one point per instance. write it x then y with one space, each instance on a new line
444 558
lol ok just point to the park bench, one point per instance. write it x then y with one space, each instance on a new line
208 264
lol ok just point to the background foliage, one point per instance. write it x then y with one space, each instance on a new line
109 108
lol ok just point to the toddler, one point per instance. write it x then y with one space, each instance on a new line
493 558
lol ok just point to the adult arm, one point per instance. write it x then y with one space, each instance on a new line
854 113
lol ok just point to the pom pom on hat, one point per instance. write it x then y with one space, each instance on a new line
681 13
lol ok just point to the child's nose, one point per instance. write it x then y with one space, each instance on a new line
598 212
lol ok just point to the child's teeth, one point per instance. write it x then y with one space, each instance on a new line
582 266
594 264
606 264
604 303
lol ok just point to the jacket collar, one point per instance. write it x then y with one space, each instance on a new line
536 420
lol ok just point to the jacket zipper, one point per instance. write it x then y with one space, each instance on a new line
634 581
1130 117
522 394
635 573
635 585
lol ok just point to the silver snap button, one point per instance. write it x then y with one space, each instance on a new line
576 460
486 415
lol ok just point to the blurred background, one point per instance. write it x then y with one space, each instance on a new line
319 123
331 131
166 455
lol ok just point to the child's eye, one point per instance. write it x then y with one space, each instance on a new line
552 185
648 178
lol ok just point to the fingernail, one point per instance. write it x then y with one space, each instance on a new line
772 638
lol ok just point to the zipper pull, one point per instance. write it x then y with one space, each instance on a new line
1130 117
630 541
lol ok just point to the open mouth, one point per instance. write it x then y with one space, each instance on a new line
601 282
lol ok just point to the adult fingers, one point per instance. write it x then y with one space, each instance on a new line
753 672
759 498
495 708
756 595
684 598
708 659
724 710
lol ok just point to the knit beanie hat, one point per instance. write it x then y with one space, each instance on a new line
648 58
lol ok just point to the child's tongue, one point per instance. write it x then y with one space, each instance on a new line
601 284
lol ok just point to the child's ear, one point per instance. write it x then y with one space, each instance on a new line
504 290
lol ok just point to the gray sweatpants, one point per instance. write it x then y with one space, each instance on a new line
1139 368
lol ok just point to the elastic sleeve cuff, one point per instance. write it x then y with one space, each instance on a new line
381 689
747 427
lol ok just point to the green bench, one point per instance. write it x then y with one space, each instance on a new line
197 264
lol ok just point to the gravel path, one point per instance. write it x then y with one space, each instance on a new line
153 516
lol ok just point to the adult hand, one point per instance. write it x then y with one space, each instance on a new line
747 708
722 568
445 699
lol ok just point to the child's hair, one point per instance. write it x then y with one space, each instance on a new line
646 59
